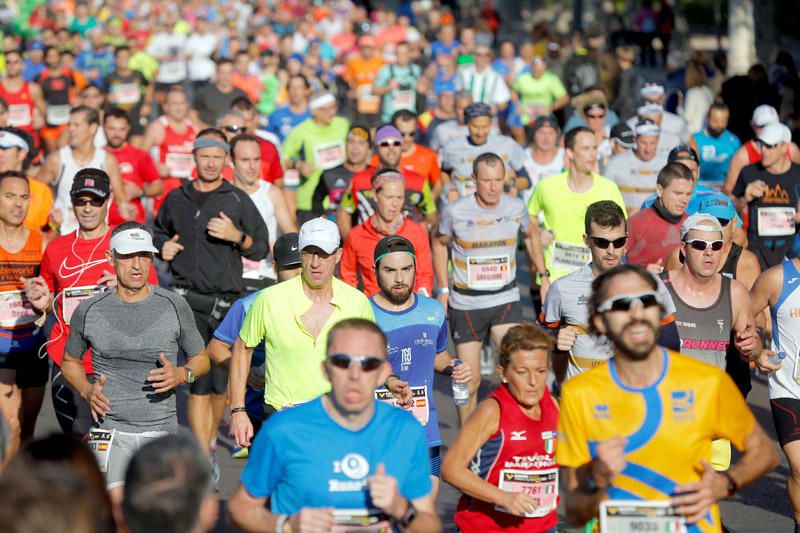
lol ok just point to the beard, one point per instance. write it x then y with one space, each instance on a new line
714 133
635 351
395 297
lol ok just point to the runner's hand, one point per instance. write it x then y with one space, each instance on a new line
223 228
37 292
241 429
97 400
312 520
384 494
127 210
566 337
517 503
167 377
255 378
171 248
461 373
763 364
657 267
746 341
108 279
610 461
401 392
754 190
694 500
56 216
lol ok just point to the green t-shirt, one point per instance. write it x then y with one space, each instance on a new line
270 84
144 63
322 146
538 94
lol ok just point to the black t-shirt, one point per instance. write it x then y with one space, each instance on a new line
128 91
210 101
773 216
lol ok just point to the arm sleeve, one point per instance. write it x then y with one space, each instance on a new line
734 420
190 340
382 79
253 225
228 330
77 344
501 92
348 265
265 467
292 145
572 449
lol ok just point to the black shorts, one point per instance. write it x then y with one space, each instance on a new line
475 325
31 370
786 416
72 412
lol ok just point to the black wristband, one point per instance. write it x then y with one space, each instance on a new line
238 410
242 239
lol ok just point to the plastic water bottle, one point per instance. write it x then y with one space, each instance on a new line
776 359
460 390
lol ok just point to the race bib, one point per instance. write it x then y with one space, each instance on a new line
367 103
420 409
490 272
776 221
127 93
404 100
71 297
170 70
291 178
464 186
16 310
179 165
360 521
329 155
569 257
541 485
99 442
19 115
634 516
57 115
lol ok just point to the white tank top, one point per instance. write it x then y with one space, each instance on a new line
64 184
263 269
786 335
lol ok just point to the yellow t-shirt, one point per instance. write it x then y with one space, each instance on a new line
564 213
669 425
293 372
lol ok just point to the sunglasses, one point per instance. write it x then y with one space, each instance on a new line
81 202
602 243
386 144
700 245
767 145
625 301
235 129
409 134
344 361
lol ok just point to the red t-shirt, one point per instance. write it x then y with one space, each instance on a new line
136 167
271 169
69 262
651 238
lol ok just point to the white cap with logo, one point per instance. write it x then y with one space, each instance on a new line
319 232
701 222
775 133
132 241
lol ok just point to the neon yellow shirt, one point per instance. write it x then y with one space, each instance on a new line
293 372
669 426
564 212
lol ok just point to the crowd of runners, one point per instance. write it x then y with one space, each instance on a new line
302 212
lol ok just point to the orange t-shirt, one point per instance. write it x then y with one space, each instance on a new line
362 73
251 85
40 205
421 160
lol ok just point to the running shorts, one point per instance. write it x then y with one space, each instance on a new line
785 414
476 324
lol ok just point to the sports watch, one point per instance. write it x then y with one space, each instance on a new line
189 375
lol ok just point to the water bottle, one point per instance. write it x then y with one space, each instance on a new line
776 359
460 390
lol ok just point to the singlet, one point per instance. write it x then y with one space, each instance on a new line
18 332
459 154
56 91
732 262
69 167
484 249
262 269
518 457
329 191
635 178
175 151
705 332
417 204
538 171
737 369
715 156
20 107
786 335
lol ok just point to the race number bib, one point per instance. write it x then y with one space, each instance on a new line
464 186
16 310
99 442
329 155
360 521
127 93
179 165
490 272
420 409
633 516
776 221
404 100
291 178
170 70
71 297
569 257
57 115
367 103
541 485
19 115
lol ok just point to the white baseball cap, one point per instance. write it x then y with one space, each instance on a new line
775 133
702 222
319 232
763 115
12 140
131 241
652 90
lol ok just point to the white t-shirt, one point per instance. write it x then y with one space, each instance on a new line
487 87
169 51
201 47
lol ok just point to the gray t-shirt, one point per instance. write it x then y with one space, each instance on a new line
126 339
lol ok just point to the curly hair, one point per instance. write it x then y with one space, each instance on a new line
523 337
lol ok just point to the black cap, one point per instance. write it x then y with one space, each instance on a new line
690 154
545 120
92 181
478 109
392 243
286 250
622 134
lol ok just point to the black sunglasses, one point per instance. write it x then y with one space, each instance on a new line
368 362
81 202
409 133
385 144
235 129
602 243
625 301
700 245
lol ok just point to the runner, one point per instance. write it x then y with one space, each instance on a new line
130 91
416 327
366 465
16 153
271 169
416 157
544 157
449 130
564 310
768 192
358 263
26 105
285 118
601 453
484 83
716 146
540 91
713 311
503 459
214 97
135 331
59 89
360 72
655 94
655 113
482 229
333 183
396 84
578 187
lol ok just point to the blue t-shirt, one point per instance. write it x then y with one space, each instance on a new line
439 48
228 332
32 70
701 192
415 336
715 155
302 458
282 120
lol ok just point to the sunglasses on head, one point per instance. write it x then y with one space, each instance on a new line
235 129
386 144
700 245
368 362
624 302
94 202
602 243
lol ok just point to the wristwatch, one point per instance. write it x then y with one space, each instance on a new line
733 486
409 516
242 239
189 375
545 274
